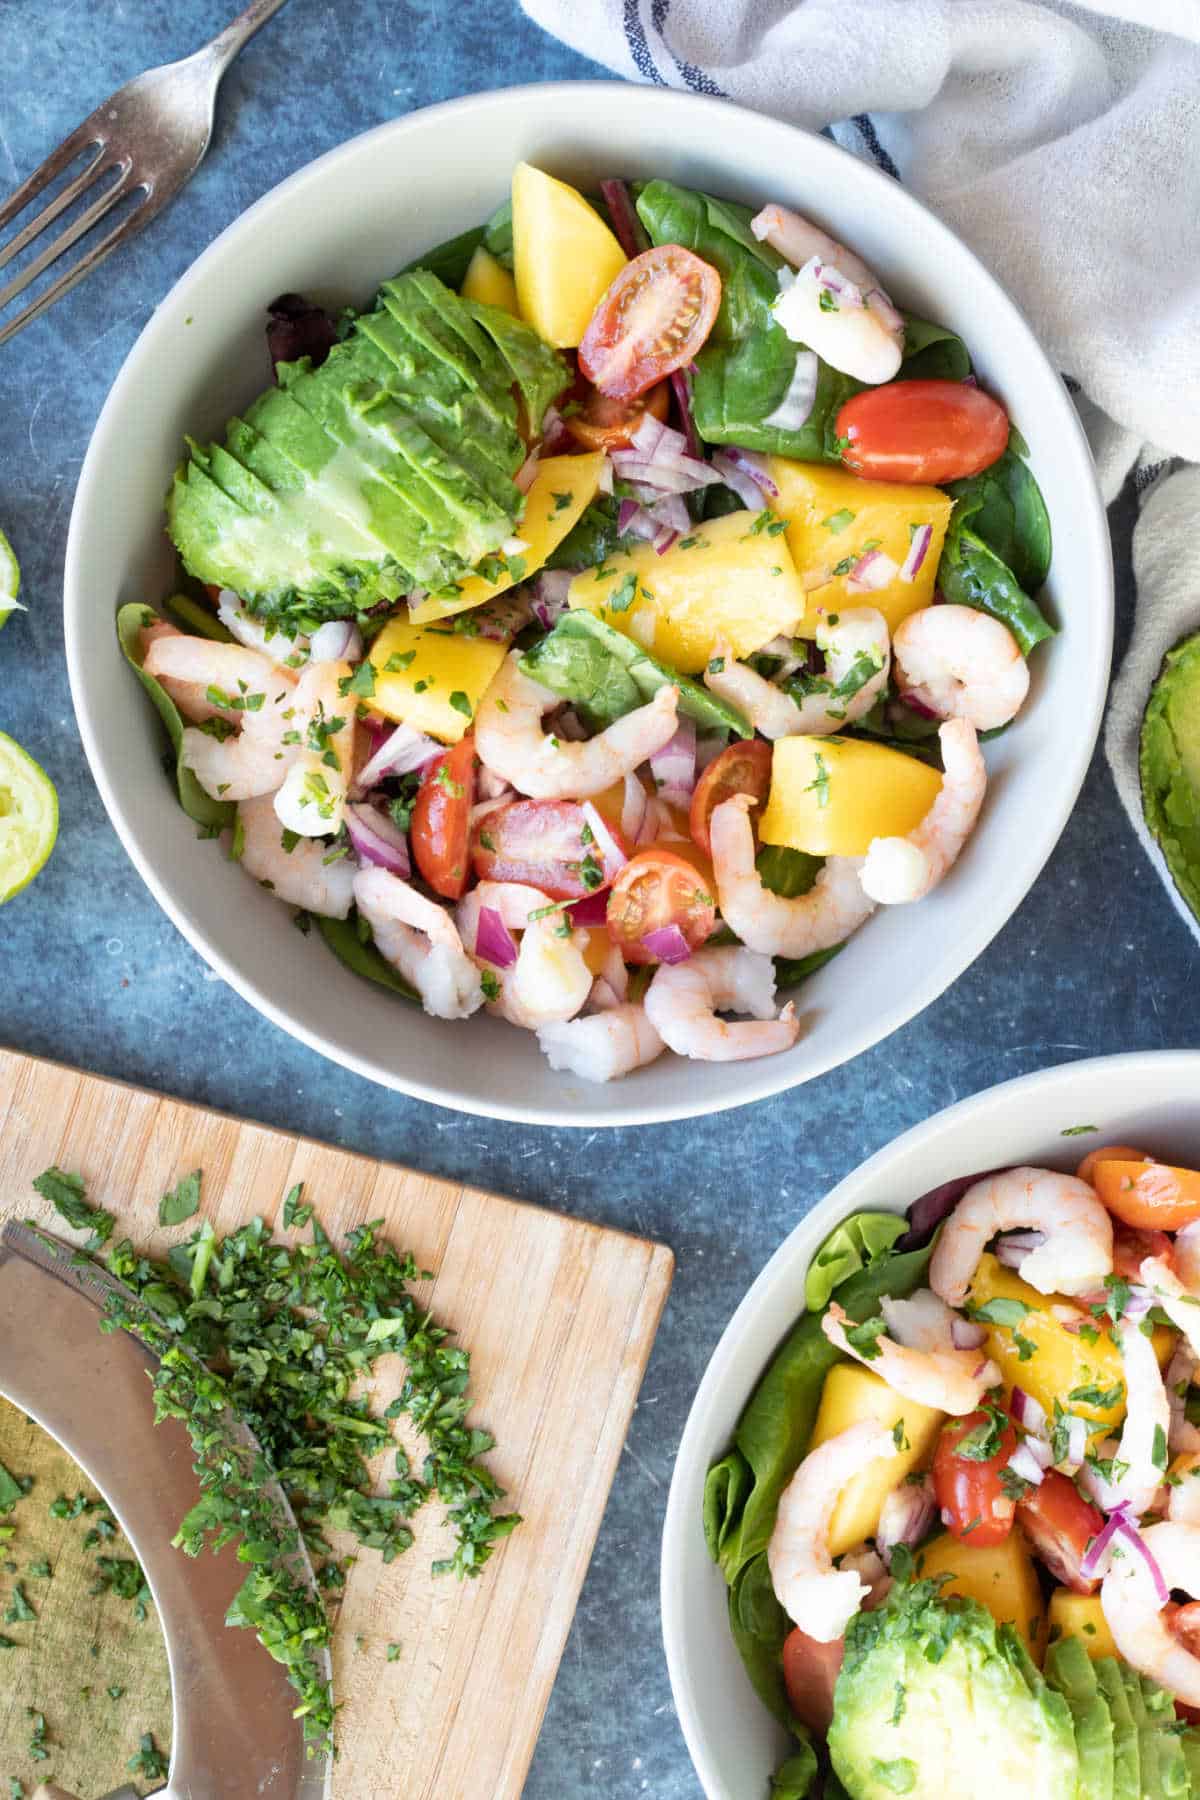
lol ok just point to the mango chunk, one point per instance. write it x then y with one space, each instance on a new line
432 679
1001 1577
831 796
850 1395
729 578
835 517
489 282
562 489
564 256
1080 1616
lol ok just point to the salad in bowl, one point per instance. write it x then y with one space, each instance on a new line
960 1518
600 627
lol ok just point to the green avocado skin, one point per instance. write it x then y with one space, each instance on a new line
1169 765
1069 1669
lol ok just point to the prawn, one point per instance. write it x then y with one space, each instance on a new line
834 906
953 1381
857 660
312 798
604 1045
1180 1305
683 999
1074 1257
1183 1504
961 664
900 869
921 1322
198 674
835 305
510 741
1181 1436
301 876
1185 1255
1141 1452
550 980
1136 1616
417 937
820 1599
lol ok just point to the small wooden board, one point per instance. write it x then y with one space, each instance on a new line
559 1316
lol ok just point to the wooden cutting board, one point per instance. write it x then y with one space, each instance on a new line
559 1316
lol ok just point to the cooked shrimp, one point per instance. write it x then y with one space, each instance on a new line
953 1381
900 869
857 659
1074 1257
312 798
193 669
835 305
1185 1256
961 664
834 906
611 986
820 1599
1142 1450
513 900
300 876
1136 1616
1179 1375
604 1045
242 767
1181 1306
510 740
419 938
922 1322
1183 1505
683 999
550 980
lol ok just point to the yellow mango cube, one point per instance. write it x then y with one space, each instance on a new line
831 796
1001 1577
564 256
432 679
834 517
489 282
1080 1616
562 489
851 1394
730 578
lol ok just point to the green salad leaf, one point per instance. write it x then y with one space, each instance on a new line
970 574
214 815
607 675
855 1244
793 1779
787 872
1004 507
594 536
198 618
449 260
343 939
790 971
932 352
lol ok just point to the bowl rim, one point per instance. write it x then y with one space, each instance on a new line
787 1265
770 1078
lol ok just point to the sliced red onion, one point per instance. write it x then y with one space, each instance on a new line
969 380
671 510
500 619
1129 1534
681 387
916 704
634 519
337 641
548 596
663 539
1027 1412
674 766
668 944
592 910
569 726
612 856
755 466
1040 1451
1106 1494
1024 1463
871 572
709 745
1015 1246
830 277
377 840
555 436
739 481
918 549
1138 1304
633 810
1077 1440
907 1514
966 1334
673 474
927 1212
1095 1559
650 432
494 942
402 752
627 227
792 412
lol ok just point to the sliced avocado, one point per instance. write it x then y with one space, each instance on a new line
1173 1782
1146 1733
1127 1762
649 675
1069 1669
1169 762
532 364
1191 1756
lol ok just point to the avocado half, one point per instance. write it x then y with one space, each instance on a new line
1169 766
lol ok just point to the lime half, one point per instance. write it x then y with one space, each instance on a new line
10 581
28 818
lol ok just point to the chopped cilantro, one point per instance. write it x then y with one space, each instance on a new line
1077 1130
1012 1485
717 666
149 1760
1000 1312
490 984
820 783
862 1337
838 521
624 595
66 1195
294 1214
19 1610
981 1442
1158 1456
561 501
461 704
361 682
827 303
1096 1396
398 661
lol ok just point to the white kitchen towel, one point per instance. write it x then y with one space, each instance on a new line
1062 142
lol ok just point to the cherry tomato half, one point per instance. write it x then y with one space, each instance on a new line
547 844
654 318
1148 1195
1060 1524
657 888
927 431
1108 1153
1131 1248
744 768
604 423
968 1488
441 821
810 1670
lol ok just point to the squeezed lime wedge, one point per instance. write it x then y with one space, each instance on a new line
28 818
10 581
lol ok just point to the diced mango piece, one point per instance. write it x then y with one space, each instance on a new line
730 578
562 489
850 1395
489 282
1000 1576
432 679
835 517
831 796
1080 1616
1064 1365
564 256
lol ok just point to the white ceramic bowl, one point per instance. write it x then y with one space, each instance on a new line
1151 1099
336 229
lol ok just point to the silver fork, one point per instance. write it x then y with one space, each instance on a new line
152 135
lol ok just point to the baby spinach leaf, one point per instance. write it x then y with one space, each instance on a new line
720 233
1004 507
787 872
793 1779
593 538
578 666
970 574
759 1626
932 352
725 1489
855 1244
449 261
790 971
342 937
215 815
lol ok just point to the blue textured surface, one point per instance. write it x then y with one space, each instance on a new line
92 972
